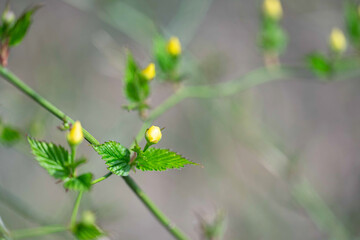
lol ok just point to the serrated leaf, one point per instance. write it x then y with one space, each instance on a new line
84 231
22 24
79 183
53 158
116 156
155 159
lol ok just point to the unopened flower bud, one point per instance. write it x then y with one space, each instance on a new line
153 135
149 72
337 41
8 17
88 218
75 136
273 9
174 46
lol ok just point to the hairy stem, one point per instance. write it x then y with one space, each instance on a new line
34 232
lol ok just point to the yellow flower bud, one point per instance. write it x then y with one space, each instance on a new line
149 72
273 9
337 41
153 135
75 136
174 46
358 10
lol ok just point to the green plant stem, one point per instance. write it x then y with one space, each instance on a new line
76 209
14 80
154 210
147 146
34 232
254 78
102 178
72 158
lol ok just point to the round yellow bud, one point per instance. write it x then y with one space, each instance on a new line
337 41
75 136
153 135
174 46
273 9
149 72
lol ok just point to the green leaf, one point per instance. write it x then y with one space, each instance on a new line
166 62
352 21
319 64
9 135
272 37
79 183
154 159
136 85
116 156
55 159
18 31
78 162
83 231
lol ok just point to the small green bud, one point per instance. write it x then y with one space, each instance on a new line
8 17
88 218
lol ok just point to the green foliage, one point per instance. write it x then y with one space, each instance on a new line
15 33
319 65
352 21
116 156
166 62
21 26
85 231
272 38
154 159
8 134
55 159
79 183
136 87
78 162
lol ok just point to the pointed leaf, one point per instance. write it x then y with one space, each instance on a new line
154 159
117 157
18 31
53 158
84 231
79 183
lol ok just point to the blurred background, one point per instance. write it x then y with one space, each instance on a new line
280 160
